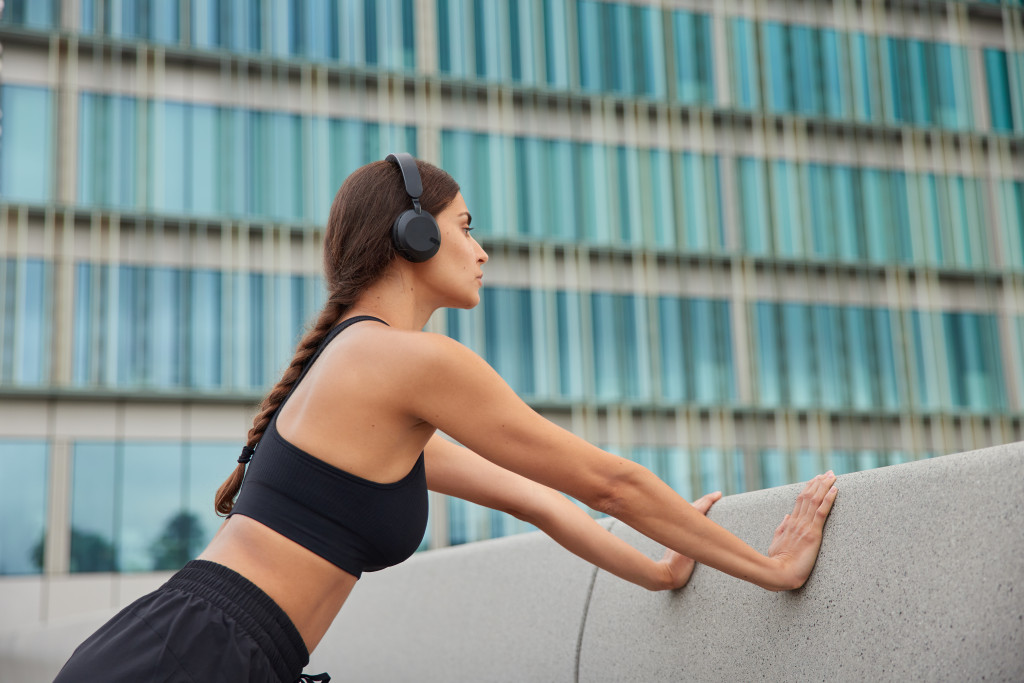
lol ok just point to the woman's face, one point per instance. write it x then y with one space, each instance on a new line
455 273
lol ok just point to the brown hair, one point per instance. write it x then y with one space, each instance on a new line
357 251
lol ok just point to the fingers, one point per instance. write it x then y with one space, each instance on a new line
811 500
826 504
704 503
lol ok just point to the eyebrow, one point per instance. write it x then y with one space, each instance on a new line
468 215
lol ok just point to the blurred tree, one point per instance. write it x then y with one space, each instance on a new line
180 541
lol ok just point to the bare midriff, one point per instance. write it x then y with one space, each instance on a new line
307 587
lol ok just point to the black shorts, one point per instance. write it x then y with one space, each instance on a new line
207 623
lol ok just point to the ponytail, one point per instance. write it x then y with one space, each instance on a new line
332 311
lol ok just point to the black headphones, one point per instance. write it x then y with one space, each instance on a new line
414 233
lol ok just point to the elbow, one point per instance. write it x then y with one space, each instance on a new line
617 489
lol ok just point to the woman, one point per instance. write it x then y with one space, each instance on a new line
349 442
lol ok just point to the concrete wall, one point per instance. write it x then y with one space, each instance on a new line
921 577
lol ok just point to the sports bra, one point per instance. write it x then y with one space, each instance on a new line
354 523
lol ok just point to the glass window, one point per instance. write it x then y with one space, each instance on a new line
998 87
774 467
798 355
674 353
509 335
754 205
153 20
24 484
107 170
743 65
26 309
767 354
787 217
864 62
777 68
570 336
40 14
693 54
26 164
699 191
556 48
807 58
835 73
621 365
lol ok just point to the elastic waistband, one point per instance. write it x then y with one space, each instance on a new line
251 608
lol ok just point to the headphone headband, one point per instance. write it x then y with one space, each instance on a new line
410 174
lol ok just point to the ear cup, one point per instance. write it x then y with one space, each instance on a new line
416 235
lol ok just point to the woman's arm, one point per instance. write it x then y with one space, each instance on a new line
455 390
457 471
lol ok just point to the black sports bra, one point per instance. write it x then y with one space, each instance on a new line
354 523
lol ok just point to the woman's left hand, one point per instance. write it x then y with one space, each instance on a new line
680 567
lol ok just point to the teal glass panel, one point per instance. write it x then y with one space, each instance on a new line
829 357
711 464
774 468
26 309
205 332
777 67
651 77
877 212
768 355
95 507
673 347
841 462
37 14
226 24
902 226
24 482
700 193
627 197
570 339
807 63
973 361
787 217
658 212
753 205
835 74
860 361
924 360
556 49
508 335
864 66
798 355
847 219
932 221
693 57
711 331
997 82
107 167
823 221
1010 208
744 64
150 520
809 464
562 189
884 347
26 149
151 20
207 465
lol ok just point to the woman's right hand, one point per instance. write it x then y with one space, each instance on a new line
797 540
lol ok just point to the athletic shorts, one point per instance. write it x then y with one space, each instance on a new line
207 623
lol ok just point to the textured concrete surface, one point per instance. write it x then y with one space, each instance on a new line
921 577
503 610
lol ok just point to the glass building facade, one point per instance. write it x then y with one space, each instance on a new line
739 243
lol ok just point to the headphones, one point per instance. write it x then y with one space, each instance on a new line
414 233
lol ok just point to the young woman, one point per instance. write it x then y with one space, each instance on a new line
346 445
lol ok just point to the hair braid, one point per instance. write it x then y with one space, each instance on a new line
330 314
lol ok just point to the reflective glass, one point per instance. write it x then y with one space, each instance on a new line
776 64
39 14
509 336
26 312
998 87
767 354
24 472
107 168
745 73
753 205
95 508
26 166
774 468
693 57
153 20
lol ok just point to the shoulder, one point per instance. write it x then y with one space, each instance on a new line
407 352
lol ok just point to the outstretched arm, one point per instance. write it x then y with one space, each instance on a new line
453 389
457 471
